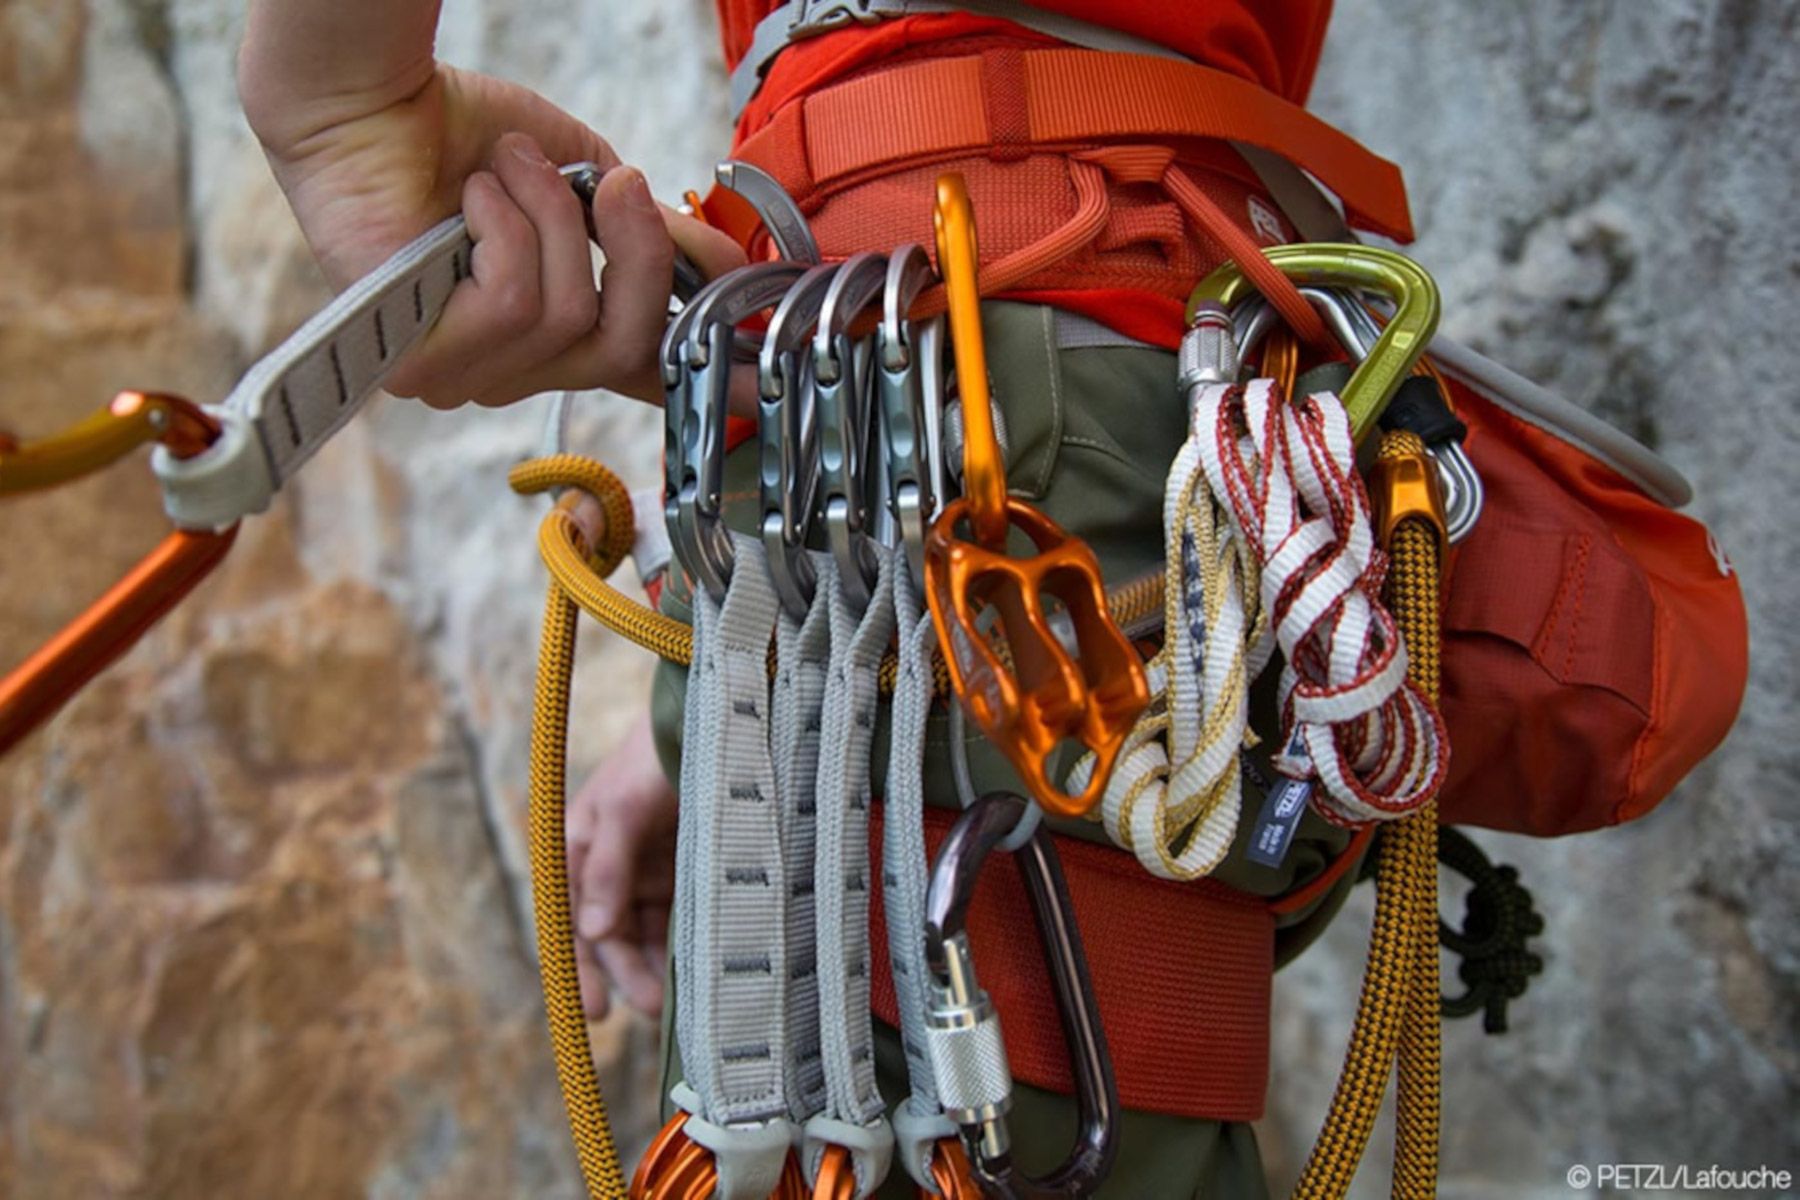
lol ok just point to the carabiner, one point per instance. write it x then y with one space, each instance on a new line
1026 706
788 437
585 178
1356 327
698 535
786 224
963 1031
909 383
1399 278
90 643
841 384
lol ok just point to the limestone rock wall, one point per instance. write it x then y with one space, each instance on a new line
263 926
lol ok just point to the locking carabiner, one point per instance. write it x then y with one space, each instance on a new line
1403 281
698 535
110 625
788 438
841 385
963 1033
1026 706
909 384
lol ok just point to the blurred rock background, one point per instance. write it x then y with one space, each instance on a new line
263 924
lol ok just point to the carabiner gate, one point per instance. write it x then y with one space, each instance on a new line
909 383
841 384
963 1035
698 534
788 438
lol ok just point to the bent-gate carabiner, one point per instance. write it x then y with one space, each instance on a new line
788 438
963 1034
909 384
698 537
841 384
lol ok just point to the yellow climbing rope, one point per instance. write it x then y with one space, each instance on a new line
1397 1011
561 534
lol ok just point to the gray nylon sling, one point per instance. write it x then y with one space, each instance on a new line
853 1114
730 958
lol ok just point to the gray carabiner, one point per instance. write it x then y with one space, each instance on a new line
909 384
698 535
963 1030
788 437
585 178
783 219
840 383
1356 328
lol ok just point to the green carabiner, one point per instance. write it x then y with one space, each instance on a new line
1330 264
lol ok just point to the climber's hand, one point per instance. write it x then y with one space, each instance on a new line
374 141
621 827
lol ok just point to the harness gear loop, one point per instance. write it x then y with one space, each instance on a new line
112 624
1045 694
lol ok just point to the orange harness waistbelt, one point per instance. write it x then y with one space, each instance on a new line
939 108
1181 972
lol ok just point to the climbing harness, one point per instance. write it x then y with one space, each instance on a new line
1045 694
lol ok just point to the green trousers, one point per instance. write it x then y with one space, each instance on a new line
1091 432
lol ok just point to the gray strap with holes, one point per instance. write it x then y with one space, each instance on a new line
842 876
802 657
302 393
919 1122
731 959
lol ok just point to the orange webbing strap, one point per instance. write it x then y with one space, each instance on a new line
938 108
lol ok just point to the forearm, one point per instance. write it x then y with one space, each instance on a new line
308 66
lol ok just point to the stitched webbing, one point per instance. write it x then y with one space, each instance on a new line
731 891
841 872
802 652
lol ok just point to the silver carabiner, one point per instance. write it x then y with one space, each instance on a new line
698 535
909 384
788 437
1353 325
783 219
840 382
585 178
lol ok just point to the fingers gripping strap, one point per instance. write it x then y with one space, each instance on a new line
802 652
1286 474
730 961
919 1122
842 867
292 401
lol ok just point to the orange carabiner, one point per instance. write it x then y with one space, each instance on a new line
90 643
1028 693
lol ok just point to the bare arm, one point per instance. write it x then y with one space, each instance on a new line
373 140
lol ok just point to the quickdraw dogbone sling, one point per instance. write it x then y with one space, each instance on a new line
1272 542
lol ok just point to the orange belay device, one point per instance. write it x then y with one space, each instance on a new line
86 646
1047 695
